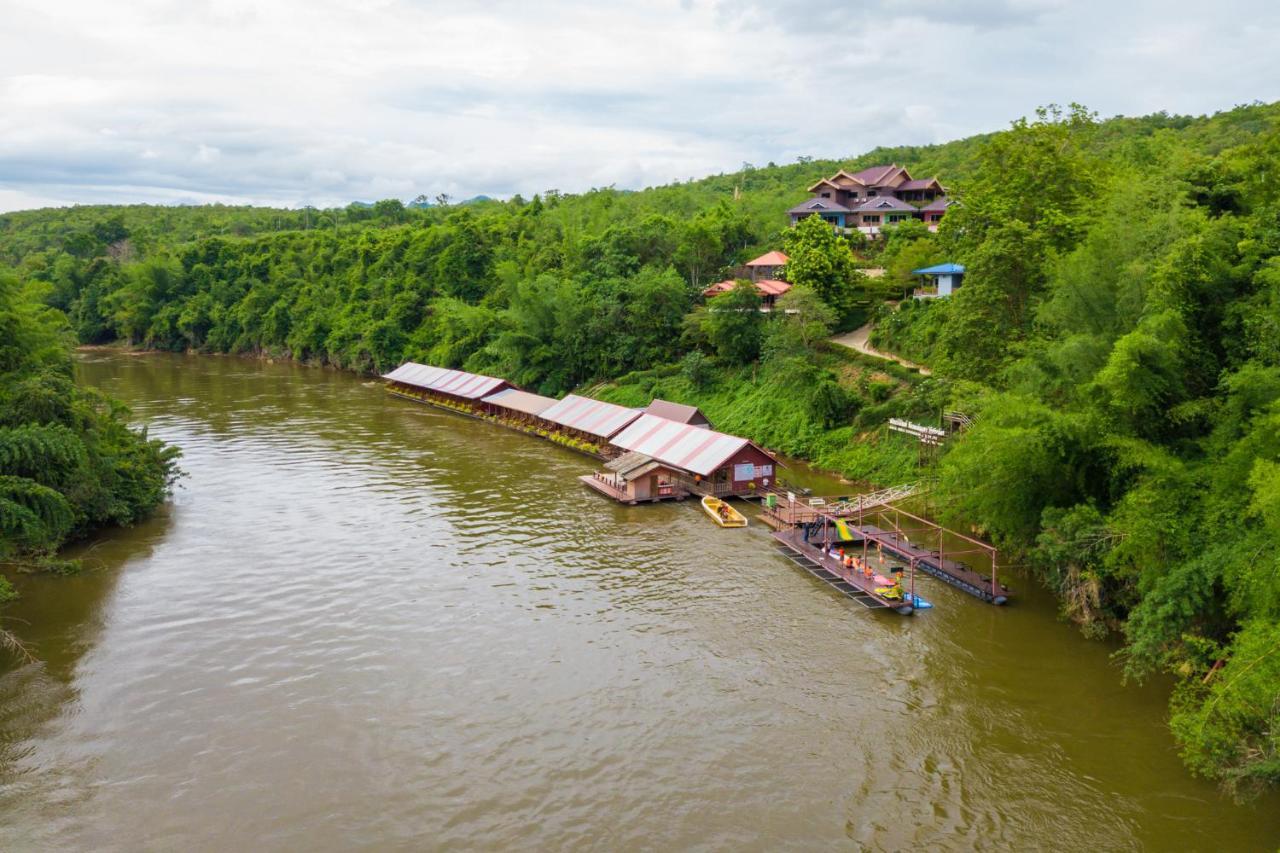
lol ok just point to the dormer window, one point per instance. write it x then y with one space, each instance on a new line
826 195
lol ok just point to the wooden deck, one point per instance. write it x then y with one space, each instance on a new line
607 486
787 513
858 514
852 584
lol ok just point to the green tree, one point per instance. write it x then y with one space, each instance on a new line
821 260
734 325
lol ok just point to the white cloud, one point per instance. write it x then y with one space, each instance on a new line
326 101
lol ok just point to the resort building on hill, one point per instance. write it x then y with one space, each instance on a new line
874 198
940 280
765 272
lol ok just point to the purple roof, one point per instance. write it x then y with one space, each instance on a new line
884 202
819 205
593 417
456 383
874 175
938 204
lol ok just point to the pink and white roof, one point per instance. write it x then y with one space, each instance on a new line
593 417
691 448
456 383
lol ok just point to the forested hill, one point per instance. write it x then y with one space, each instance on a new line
1116 342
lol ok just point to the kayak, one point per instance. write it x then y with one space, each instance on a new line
723 514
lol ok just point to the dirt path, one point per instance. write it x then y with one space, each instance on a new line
857 339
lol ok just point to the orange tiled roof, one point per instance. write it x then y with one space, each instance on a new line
769 259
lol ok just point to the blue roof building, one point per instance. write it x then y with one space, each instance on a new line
946 278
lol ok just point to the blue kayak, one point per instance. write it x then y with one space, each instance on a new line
920 603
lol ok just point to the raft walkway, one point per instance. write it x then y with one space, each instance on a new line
853 584
856 517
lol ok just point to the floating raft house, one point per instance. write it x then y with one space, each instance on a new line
593 420
518 408
452 389
716 463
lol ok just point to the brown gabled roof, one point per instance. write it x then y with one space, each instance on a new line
827 181
678 412
875 175
919 184
769 259
843 174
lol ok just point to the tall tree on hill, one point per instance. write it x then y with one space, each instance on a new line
822 261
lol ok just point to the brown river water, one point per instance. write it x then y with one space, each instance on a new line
364 623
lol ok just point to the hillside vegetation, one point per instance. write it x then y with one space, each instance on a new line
1117 342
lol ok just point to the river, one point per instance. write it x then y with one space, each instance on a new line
365 623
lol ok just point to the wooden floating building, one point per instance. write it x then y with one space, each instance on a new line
450 389
593 422
667 450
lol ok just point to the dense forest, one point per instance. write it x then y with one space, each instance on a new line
1116 343
69 461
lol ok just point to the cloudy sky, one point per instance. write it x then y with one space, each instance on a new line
327 101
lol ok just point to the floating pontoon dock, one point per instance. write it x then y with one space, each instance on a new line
887 529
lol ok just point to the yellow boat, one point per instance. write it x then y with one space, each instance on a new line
723 514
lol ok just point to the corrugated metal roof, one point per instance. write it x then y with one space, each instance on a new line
689 448
593 417
520 401
458 383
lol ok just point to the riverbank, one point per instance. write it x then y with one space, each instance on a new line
767 407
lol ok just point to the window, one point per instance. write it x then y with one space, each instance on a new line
871 193
744 472
826 195
870 217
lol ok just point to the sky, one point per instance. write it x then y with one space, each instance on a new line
323 102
